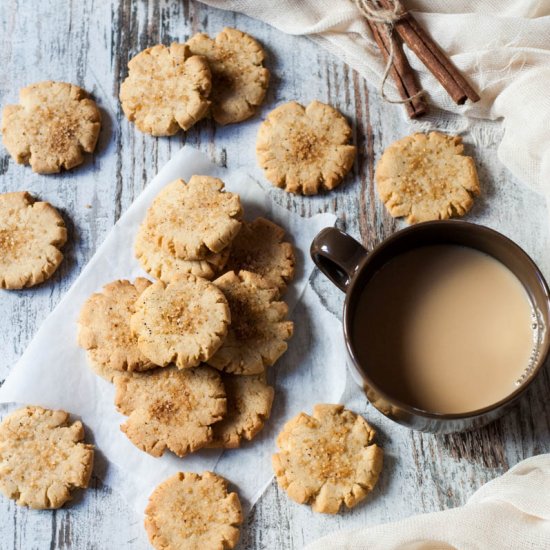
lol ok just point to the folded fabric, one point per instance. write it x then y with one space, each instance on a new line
503 47
511 512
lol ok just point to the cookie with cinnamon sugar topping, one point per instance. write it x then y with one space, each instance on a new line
31 235
425 177
104 329
260 247
170 408
43 457
166 89
51 127
193 512
239 79
305 150
249 401
259 330
195 219
183 322
327 459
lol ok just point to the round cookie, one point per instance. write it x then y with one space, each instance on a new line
31 234
104 329
259 247
42 457
165 266
427 177
239 79
166 89
258 332
182 322
52 126
305 150
249 401
193 512
327 459
170 408
193 220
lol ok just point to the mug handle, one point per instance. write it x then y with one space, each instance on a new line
337 255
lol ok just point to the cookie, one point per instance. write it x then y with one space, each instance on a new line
327 459
249 401
42 457
193 512
427 177
52 126
305 150
259 247
165 266
194 220
182 322
258 332
31 234
104 329
170 408
166 89
239 79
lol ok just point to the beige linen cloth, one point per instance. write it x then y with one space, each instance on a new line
502 46
511 512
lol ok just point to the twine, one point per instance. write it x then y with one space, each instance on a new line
374 12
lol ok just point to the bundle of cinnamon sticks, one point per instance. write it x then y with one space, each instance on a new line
406 29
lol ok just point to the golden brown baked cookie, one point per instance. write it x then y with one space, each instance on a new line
31 234
239 79
166 89
42 457
104 329
305 150
170 408
327 459
259 330
193 220
249 401
193 512
165 266
52 126
259 247
182 322
427 177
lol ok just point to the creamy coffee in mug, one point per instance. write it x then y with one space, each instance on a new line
445 329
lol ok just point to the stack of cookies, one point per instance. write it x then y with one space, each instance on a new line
188 352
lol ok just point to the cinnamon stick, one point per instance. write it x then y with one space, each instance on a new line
471 94
433 57
400 70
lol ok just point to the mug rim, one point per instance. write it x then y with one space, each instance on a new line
543 357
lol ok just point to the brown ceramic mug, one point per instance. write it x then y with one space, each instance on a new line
350 267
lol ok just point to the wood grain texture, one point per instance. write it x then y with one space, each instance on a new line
89 44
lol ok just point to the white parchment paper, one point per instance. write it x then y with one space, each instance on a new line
53 371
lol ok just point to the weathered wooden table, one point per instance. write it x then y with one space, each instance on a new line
89 44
